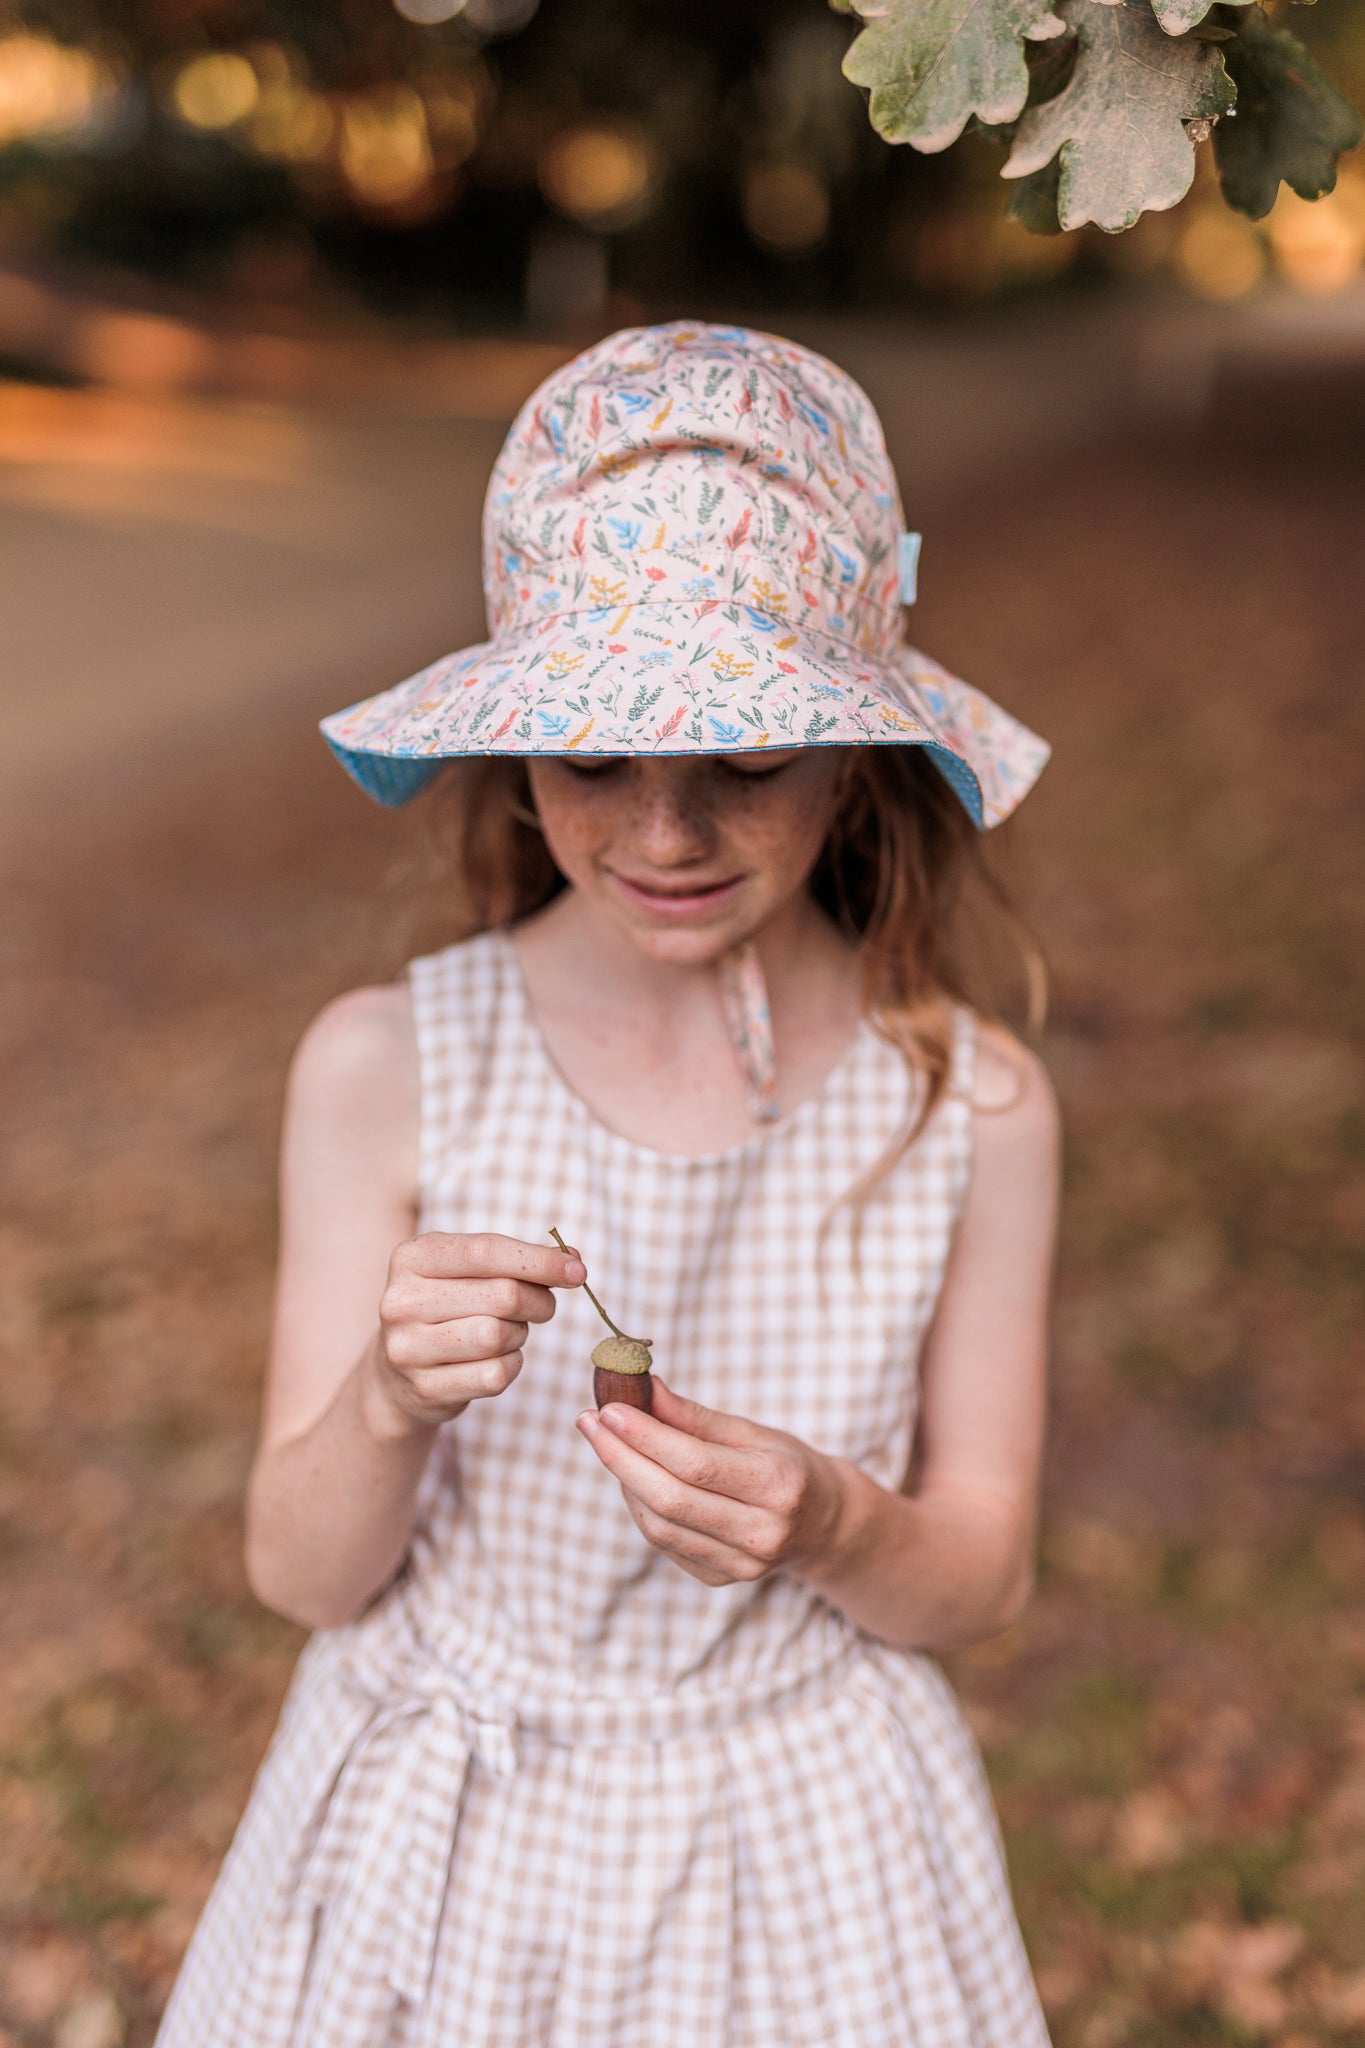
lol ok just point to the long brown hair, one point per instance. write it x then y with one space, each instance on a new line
903 874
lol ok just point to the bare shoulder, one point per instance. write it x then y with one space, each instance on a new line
355 1075
363 1039
1013 1097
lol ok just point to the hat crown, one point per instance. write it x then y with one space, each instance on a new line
704 464
692 545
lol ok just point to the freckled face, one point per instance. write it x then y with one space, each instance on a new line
688 856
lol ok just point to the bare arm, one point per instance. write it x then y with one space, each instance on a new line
378 1337
953 1562
950 1563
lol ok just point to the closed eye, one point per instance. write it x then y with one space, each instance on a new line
591 770
754 771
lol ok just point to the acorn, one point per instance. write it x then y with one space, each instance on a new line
620 1364
620 1372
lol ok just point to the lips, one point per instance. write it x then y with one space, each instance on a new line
677 900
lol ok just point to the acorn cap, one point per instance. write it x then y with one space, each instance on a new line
622 1354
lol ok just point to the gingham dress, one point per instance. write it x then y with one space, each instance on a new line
550 1791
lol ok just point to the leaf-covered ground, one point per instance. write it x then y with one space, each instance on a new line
1177 1730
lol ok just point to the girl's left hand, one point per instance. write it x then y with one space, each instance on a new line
726 1498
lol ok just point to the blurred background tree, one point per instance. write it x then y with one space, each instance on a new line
497 162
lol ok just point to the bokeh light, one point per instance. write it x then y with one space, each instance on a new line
47 88
452 113
599 176
215 90
385 148
499 17
1023 258
786 207
428 13
142 352
291 124
1319 245
1219 254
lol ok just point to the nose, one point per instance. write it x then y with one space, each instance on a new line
670 821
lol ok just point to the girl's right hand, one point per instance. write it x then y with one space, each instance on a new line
453 1319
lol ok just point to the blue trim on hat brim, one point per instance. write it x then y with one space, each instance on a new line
391 779
394 779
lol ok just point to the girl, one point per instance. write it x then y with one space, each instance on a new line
621 1730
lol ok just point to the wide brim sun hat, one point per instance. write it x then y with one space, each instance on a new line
693 543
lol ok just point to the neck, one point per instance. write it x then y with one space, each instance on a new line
646 1042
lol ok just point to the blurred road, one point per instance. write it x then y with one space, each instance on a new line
162 560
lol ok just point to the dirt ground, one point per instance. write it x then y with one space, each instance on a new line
1176 1731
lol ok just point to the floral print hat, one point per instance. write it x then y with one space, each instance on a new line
693 544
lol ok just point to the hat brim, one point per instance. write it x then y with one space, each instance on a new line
678 678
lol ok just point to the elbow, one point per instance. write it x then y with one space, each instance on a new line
963 1626
1008 1562
270 1555
1015 1596
306 1607
1006 1604
304 1610
999 1606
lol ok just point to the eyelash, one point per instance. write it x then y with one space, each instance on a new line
598 771
755 774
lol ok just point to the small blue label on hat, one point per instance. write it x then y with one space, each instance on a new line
908 548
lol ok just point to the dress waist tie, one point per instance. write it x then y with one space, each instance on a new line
374 1882
382 1855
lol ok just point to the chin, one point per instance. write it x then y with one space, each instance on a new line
686 945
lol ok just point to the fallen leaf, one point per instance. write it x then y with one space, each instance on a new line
1341 2000
42 1975
93 2022
1149 1829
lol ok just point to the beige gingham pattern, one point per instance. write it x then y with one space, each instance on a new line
551 1792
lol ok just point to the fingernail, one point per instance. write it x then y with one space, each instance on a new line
575 1273
614 1415
587 1422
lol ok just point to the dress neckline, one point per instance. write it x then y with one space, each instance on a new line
771 1134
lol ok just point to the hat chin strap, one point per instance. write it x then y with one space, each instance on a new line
748 1019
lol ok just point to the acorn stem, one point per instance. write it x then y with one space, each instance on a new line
593 1298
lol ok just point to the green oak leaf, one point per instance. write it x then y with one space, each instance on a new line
1177 16
1119 124
1292 123
931 64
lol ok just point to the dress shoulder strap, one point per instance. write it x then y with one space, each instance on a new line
457 997
966 1039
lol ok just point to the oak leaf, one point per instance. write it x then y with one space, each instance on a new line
1291 124
930 65
1178 16
1119 125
